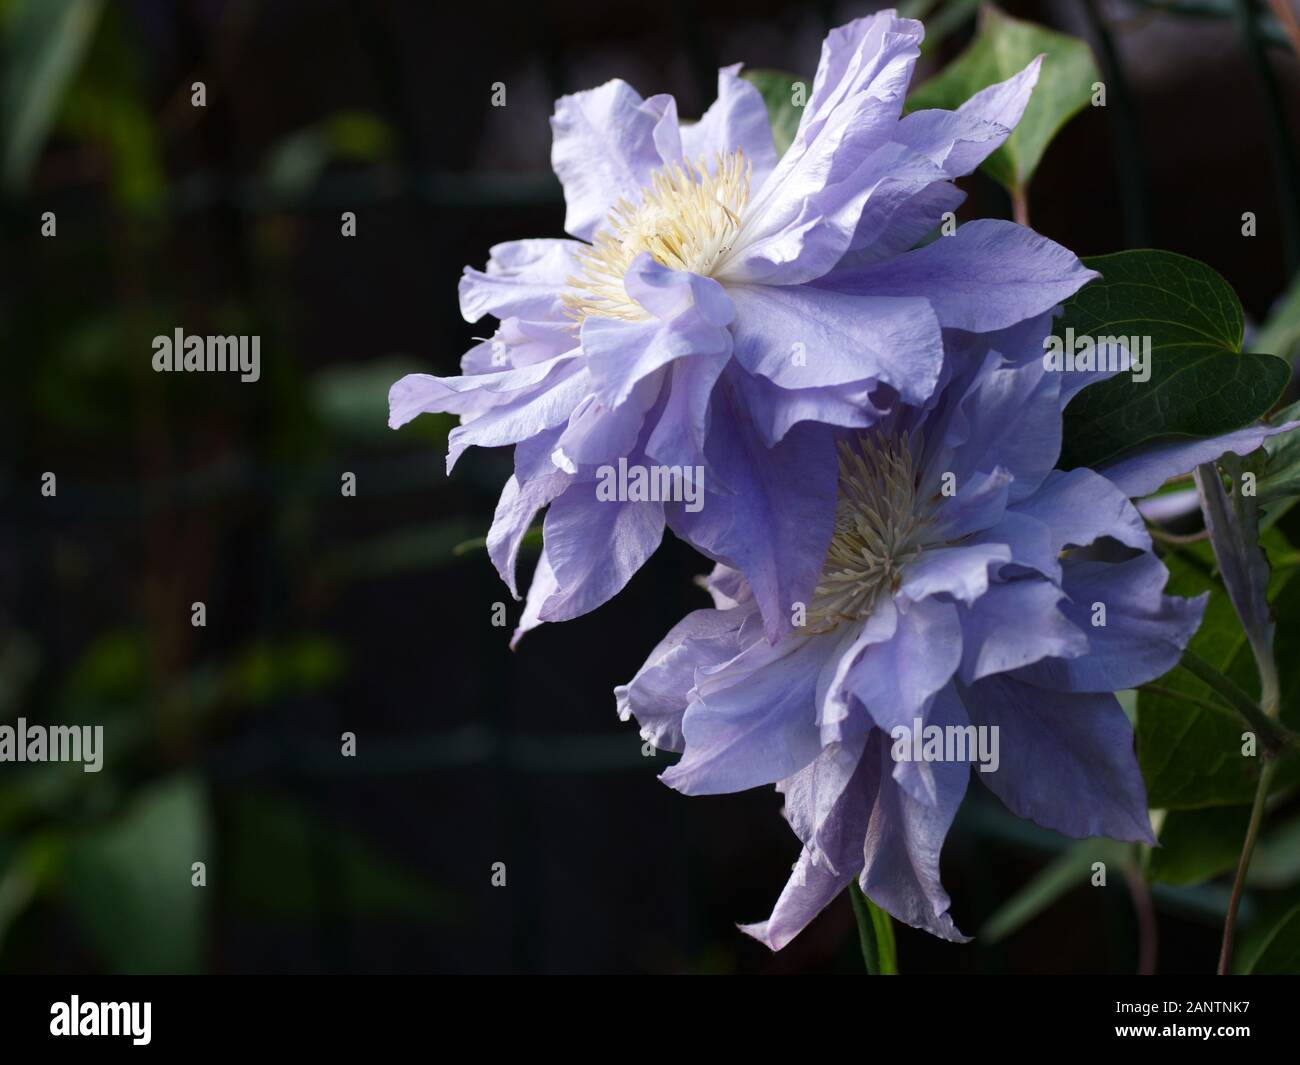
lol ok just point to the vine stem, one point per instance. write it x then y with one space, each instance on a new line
1247 849
1259 718
1020 205
1270 703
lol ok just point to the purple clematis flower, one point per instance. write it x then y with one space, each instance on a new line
970 591
722 311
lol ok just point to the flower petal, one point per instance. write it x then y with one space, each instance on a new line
751 721
800 222
594 547
904 838
1067 760
604 149
895 678
1081 506
737 119
767 512
801 337
988 275
1014 624
659 693
1143 471
515 511
524 279
1143 633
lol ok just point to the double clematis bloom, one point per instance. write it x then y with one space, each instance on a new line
968 583
726 311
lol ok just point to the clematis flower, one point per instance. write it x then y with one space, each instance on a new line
722 312
967 583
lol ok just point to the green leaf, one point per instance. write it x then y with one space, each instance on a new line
780 91
44 41
875 934
1200 383
1191 755
1281 953
129 882
1198 845
1004 46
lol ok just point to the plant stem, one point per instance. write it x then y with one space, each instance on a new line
1145 911
875 934
1247 849
1273 736
1183 697
1020 205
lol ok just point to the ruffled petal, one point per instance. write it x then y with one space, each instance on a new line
515 511
1140 637
594 547
904 838
1014 624
691 314
826 804
659 692
1146 469
1067 760
1081 506
894 678
988 275
605 147
737 119
524 279
801 337
767 512
800 222
751 721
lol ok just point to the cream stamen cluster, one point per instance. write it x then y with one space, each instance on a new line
880 526
687 219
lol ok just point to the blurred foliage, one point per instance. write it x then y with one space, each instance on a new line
42 49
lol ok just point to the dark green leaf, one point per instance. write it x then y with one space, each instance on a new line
1002 47
1200 384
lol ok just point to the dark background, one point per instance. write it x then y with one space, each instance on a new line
363 614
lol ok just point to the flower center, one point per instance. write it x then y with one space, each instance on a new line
687 219
880 526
